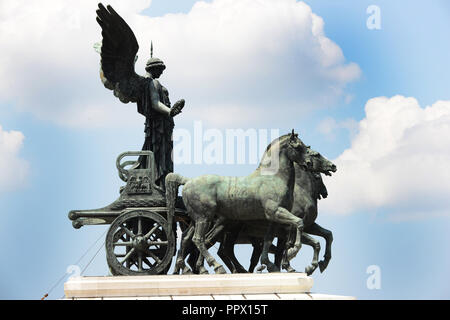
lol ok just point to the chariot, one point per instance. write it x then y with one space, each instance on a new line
141 239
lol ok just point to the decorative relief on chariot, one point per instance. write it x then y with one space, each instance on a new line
139 184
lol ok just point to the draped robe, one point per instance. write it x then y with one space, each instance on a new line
158 132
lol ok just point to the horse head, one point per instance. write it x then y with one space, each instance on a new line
290 146
296 149
315 162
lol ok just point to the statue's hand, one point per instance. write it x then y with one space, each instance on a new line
177 107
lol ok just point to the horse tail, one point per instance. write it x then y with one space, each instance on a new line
173 181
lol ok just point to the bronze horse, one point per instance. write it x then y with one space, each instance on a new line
265 194
308 189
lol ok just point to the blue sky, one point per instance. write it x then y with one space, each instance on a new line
387 204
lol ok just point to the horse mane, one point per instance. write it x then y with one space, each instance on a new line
277 141
320 190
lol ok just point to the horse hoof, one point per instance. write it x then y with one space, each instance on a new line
176 271
261 268
272 268
310 269
202 270
220 270
290 269
186 270
322 266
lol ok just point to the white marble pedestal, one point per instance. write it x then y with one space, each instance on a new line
260 286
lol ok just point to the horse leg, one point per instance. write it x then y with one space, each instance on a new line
193 256
286 265
201 226
282 248
200 264
307 239
280 215
228 250
268 238
213 234
182 252
224 252
221 252
317 230
279 252
289 244
212 237
257 250
295 244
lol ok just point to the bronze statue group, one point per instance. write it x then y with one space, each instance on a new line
254 209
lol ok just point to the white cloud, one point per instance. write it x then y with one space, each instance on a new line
13 170
329 126
399 160
261 54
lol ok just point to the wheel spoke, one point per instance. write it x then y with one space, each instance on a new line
148 262
140 261
127 256
151 254
151 232
139 226
127 244
157 243
128 232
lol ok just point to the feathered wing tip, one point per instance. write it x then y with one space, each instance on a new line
119 50
151 49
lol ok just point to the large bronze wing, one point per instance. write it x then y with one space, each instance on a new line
118 55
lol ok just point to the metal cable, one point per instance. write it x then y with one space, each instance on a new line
92 259
76 263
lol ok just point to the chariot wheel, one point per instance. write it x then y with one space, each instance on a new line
139 243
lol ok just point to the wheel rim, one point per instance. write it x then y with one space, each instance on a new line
138 242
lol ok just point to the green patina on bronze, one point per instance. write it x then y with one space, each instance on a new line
118 52
279 199
245 208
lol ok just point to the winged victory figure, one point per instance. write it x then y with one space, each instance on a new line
118 53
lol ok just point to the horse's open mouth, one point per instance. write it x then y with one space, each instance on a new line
329 171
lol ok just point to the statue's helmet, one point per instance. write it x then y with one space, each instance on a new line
154 63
